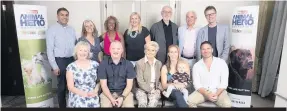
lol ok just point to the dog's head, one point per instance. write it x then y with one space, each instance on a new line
39 57
241 61
28 68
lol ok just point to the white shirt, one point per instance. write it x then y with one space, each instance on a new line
189 43
152 71
211 80
187 40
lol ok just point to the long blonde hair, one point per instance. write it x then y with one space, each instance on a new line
139 26
84 32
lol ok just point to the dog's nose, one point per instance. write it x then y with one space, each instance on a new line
250 64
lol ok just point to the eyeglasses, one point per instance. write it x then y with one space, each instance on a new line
166 12
212 14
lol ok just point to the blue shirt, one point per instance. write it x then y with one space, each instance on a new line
95 48
212 39
60 41
116 74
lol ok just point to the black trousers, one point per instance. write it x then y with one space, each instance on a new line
177 97
62 82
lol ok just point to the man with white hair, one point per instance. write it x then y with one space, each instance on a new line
187 34
164 33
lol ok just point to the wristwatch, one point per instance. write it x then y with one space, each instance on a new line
122 96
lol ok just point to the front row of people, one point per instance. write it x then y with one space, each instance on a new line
115 77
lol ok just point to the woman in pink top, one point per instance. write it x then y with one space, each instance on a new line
111 26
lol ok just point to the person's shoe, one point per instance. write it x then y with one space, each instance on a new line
165 94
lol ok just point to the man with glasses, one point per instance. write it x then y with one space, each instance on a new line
164 33
216 34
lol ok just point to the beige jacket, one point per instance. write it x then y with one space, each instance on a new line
143 70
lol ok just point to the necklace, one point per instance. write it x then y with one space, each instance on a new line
135 35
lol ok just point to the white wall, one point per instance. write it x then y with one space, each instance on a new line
79 11
224 9
281 86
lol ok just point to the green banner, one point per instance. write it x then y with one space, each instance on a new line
31 24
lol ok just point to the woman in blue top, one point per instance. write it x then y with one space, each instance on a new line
90 35
166 74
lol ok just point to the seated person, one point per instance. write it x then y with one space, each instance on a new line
148 77
167 71
180 76
116 78
210 79
82 79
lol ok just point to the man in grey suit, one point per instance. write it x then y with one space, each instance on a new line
216 34
164 33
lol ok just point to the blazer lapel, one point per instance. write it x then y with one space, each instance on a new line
205 33
161 31
174 31
184 28
157 69
218 30
147 74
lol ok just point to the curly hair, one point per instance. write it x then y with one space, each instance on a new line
116 23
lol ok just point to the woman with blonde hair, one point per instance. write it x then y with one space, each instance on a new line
148 77
82 78
90 35
111 26
135 38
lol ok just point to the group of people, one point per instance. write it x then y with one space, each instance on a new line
112 69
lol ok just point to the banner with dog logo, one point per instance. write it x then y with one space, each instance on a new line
31 24
242 54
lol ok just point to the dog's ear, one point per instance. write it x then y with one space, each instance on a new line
232 48
25 69
232 56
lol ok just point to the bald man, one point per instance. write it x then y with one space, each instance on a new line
116 76
164 33
187 35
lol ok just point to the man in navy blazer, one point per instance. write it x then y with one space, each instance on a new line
216 34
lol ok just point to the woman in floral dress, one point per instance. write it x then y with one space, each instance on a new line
82 79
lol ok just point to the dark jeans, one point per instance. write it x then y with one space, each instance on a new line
178 99
62 82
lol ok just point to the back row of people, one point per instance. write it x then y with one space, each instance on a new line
61 39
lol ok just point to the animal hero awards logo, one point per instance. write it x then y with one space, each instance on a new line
242 22
32 19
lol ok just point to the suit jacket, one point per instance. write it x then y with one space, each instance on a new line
181 38
157 34
143 70
222 41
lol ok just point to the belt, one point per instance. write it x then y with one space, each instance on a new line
194 57
64 57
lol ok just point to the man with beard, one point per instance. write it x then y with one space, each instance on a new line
164 33
210 79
